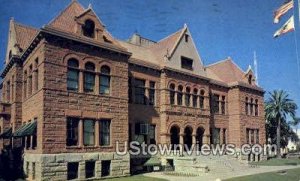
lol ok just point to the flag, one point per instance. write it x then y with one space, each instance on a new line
287 27
282 10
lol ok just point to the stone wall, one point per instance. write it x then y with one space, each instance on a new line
54 166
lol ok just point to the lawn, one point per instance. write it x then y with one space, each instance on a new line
278 162
290 175
135 178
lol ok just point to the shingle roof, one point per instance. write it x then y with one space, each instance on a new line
65 21
24 35
226 71
166 46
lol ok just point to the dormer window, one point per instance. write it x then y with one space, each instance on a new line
186 37
250 79
186 63
88 29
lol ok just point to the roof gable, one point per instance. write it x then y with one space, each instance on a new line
227 71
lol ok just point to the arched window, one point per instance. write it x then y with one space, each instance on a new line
195 96
172 94
179 95
88 28
73 75
188 96
89 77
105 80
201 100
246 106
250 79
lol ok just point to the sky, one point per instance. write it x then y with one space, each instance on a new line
220 29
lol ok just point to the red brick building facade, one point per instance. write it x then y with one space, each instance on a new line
70 91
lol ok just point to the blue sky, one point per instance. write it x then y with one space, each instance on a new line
219 28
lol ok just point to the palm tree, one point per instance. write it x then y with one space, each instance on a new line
277 107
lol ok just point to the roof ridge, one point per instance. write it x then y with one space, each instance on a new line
167 37
62 11
218 62
183 30
25 26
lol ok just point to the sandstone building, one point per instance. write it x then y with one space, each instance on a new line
70 90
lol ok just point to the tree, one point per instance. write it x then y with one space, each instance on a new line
278 106
295 122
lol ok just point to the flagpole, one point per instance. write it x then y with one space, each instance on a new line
296 21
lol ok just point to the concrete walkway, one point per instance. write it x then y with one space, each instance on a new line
211 176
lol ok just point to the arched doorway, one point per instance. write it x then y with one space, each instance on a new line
188 138
199 137
175 136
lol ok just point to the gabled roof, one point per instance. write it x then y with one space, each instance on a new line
166 46
226 71
24 35
65 21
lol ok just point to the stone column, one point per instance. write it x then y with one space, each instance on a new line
181 142
81 82
255 135
97 131
81 170
31 141
98 168
147 92
80 134
221 136
97 84
175 98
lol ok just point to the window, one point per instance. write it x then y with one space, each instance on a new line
105 80
105 168
152 134
36 78
130 89
251 107
30 80
257 136
250 79
223 105
252 136
33 170
88 132
72 131
195 96
215 103
89 77
139 92
186 37
12 88
34 138
256 108
152 93
72 170
179 95
8 91
88 28
25 84
105 132
246 106
224 136
247 136
9 55
28 142
73 75
186 63
201 100
216 136
188 97
172 94
89 169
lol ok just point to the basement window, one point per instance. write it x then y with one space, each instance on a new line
105 168
89 169
72 170
186 63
